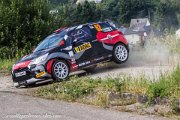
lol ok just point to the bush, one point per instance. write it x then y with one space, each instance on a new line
22 24
6 65
158 89
167 86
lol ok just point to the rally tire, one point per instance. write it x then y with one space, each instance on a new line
60 70
120 53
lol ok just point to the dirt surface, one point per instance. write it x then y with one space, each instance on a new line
15 105
104 71
114 70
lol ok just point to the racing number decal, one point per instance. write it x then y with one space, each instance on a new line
83 47
98 27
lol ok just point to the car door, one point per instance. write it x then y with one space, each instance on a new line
82 46
105 34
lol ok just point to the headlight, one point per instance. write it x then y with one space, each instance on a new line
40 59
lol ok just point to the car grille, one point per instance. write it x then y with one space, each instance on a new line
28 75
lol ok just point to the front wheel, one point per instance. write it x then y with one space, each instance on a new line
60 70
120 53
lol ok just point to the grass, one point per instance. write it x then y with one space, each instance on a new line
6 65
108 91
100 91
172 42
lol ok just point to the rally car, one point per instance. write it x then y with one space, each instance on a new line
71 49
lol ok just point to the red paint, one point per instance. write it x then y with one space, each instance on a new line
119 38
49 66
59 30
62 43
21 65
73 66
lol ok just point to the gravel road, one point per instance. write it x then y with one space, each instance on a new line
107 70
15 107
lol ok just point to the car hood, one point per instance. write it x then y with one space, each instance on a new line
33 56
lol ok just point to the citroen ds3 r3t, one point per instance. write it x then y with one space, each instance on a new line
70 49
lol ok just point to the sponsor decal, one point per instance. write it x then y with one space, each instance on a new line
20 74
68 48
71 54
108 29
109 37
91 27
40 74
83 47
98 27
84 63
81 34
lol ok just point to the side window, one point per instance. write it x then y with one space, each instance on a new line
106 27
81 35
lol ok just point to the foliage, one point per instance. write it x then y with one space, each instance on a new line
96 91
167 86
22 24
160 12
6 66
78 88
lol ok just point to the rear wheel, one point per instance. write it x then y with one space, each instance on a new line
60 70
120 53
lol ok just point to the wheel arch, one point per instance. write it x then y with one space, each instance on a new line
115 59
64 61
126 45
50 63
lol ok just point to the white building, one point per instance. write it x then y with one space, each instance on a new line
178 33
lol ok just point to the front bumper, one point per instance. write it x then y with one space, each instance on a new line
33 74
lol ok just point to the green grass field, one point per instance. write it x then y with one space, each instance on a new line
95 91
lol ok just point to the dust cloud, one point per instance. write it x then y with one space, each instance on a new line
155 53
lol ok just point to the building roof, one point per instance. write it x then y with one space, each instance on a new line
139 25
130 32
178 32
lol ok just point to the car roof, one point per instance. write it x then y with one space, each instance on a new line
69 29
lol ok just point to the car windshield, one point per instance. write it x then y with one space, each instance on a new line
51 41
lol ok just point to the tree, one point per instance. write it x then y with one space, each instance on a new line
23 23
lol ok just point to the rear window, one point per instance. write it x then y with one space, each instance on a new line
106 27
82 34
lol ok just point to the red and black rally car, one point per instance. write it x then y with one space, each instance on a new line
70 49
